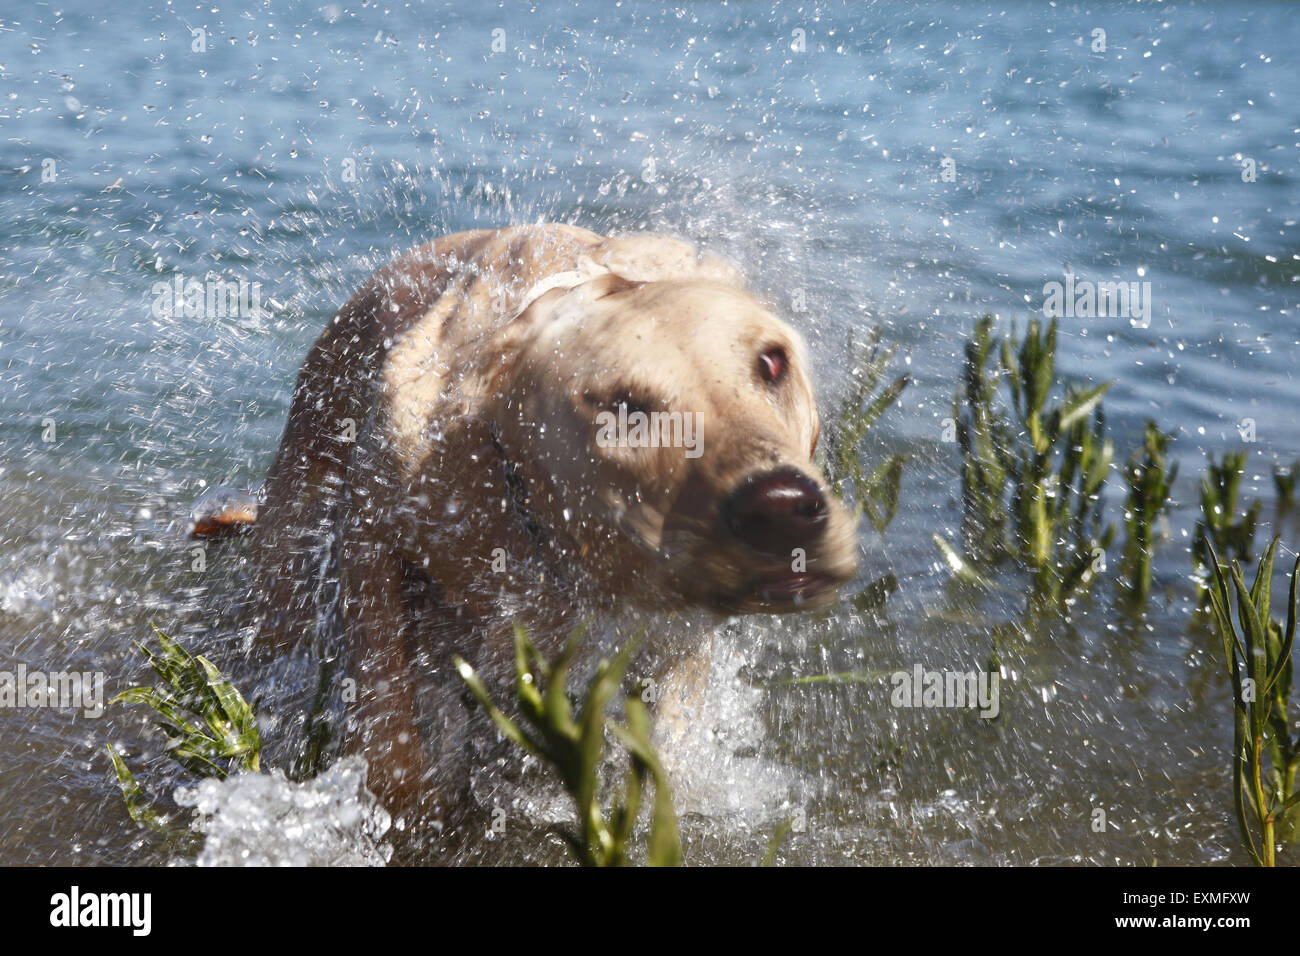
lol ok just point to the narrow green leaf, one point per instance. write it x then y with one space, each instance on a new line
1288 641
961 569
880 497
773 845
1080 405
1261 589
882 402
664 843
1252 628
137 804
507 726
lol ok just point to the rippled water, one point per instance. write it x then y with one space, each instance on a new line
305 146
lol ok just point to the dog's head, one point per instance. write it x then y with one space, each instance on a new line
667 428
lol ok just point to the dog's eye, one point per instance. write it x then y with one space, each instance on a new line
621 399
632 407
772 365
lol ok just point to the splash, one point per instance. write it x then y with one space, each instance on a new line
267 820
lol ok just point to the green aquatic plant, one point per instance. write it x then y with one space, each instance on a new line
1223 527
1057 473
842 459
574 748
1150 479
987 445
1031 486
1257 654
774 845
841 456
1284 480
211 730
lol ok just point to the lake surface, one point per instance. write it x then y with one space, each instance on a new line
302 148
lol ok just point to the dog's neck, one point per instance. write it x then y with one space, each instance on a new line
517 489
552 552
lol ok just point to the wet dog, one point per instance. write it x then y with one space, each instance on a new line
521 425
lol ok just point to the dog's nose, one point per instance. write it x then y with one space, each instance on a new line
776 511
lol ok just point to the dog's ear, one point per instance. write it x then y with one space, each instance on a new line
661 259
603 286
550 286
565 292
562 298
533 310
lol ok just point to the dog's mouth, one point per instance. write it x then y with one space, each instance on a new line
782 593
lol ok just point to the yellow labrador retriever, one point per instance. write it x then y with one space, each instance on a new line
530 424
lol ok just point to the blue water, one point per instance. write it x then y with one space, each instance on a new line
306 146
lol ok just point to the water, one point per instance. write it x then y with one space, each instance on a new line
265 820
306 146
